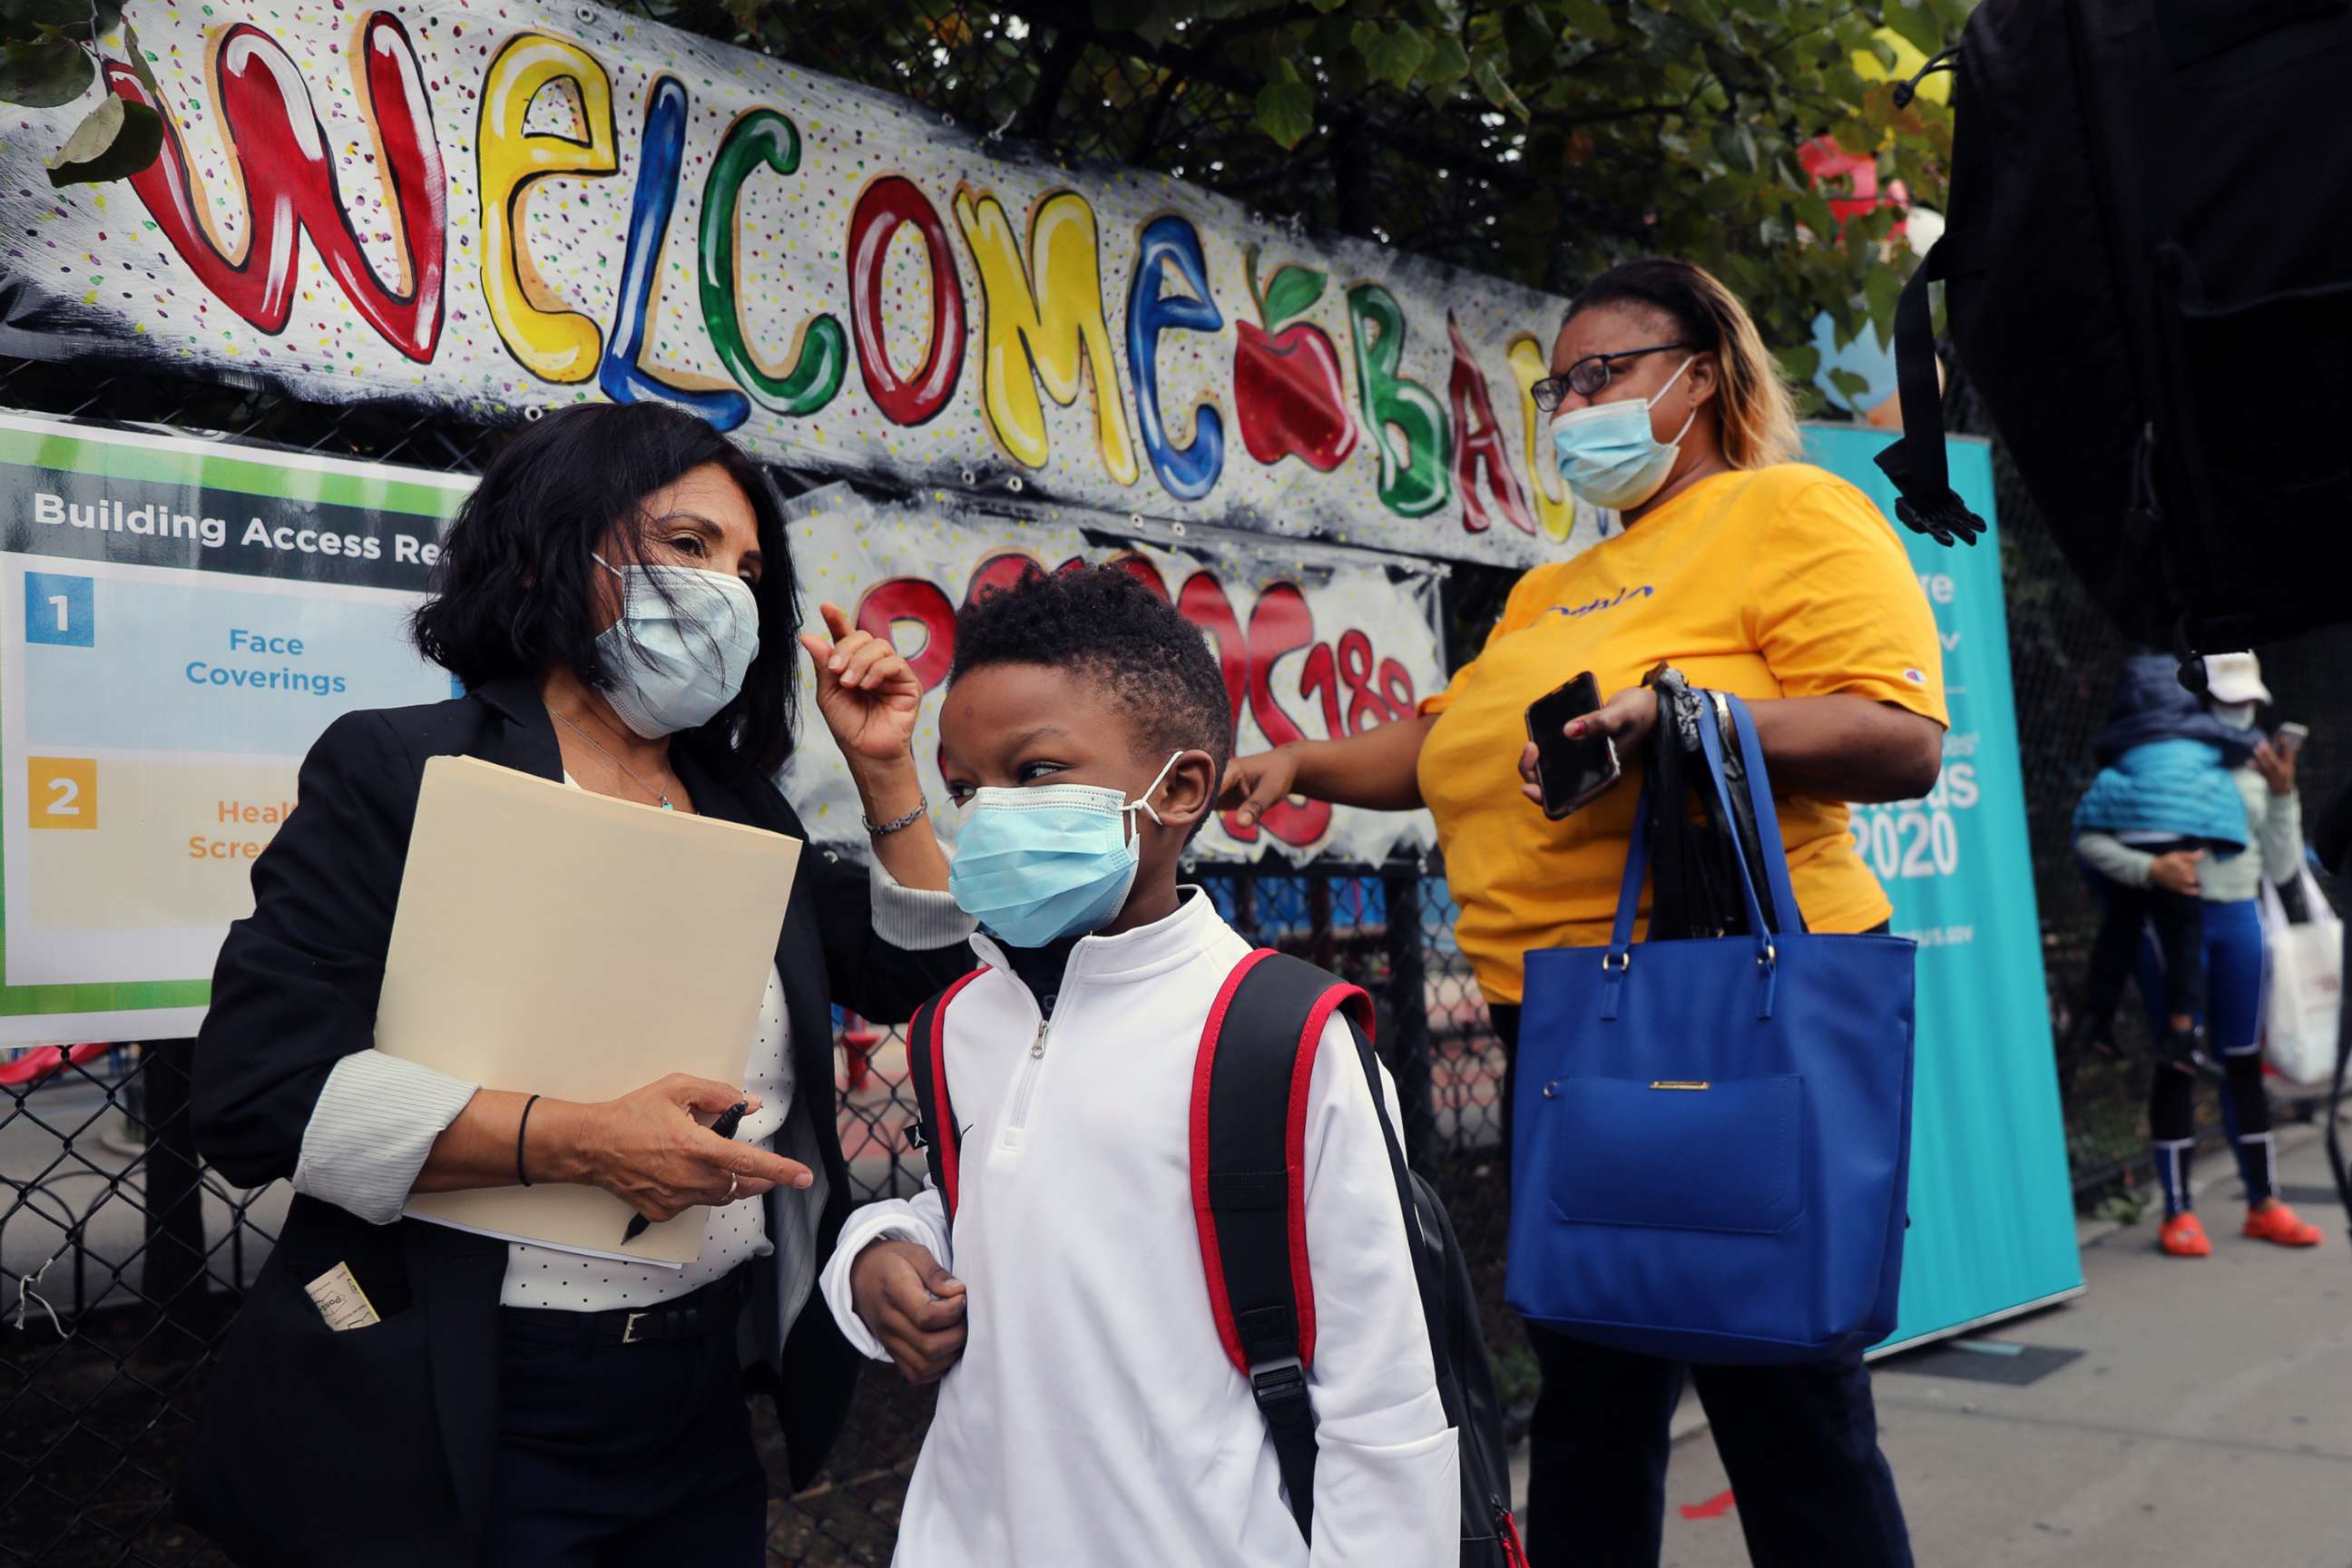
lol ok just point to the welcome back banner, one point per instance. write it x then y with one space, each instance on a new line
502 207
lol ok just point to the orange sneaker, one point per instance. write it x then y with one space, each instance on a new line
2182 1236
2276 1222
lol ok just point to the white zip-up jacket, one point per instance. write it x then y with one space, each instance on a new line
1094 1419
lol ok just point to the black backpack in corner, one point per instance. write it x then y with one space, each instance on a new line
2149 275
1254 1062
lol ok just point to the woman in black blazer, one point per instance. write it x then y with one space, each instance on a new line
617 598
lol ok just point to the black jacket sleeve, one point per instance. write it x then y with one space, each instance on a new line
295 989
871 977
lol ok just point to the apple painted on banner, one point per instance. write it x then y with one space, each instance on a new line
1288 398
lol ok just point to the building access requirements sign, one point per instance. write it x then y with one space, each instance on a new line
178 622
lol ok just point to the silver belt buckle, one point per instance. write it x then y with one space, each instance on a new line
629 1328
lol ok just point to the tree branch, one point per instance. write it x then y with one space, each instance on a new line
1069 43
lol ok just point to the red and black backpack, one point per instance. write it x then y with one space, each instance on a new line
1249 1121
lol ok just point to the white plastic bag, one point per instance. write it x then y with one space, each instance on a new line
2306 984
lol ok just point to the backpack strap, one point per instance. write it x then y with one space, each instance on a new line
935 1129
1432 1307
1916 463
1250 1083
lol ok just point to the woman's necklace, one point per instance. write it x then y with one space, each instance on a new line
658 793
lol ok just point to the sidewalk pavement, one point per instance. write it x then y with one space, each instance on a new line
2189 1412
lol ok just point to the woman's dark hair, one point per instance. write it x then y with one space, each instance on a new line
1755 419
514 589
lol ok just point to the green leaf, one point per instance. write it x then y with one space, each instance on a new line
138 66
44 73
1328 5
1882 286
1531 38
1586 19
1391 54
1800 364
115 141
1448 61
1122 16
1915 24
1854 388
1736 145
1291 292
1285 107
27 19
1498 91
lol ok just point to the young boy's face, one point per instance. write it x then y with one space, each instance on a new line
1007 726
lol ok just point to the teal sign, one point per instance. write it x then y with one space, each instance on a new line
1992 1212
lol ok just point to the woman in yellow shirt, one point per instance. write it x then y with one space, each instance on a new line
1751 574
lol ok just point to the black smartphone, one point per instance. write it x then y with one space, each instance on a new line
1574 773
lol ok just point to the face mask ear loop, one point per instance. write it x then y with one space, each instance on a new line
1677 441
1143 801
1661 397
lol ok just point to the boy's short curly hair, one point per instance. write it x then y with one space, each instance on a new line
1103 624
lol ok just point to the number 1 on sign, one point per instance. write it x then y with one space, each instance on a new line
60 601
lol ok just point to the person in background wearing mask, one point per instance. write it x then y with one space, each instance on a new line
617 597
2254 782
2165 792
1752 574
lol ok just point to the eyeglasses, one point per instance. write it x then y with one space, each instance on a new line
1589 377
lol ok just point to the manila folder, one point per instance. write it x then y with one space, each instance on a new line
557 942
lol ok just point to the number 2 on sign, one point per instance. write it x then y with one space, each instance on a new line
64 792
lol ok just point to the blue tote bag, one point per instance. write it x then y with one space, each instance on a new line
1711 1139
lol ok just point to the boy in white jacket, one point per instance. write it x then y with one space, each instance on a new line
1089 1414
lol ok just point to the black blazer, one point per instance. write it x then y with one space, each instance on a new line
375 1445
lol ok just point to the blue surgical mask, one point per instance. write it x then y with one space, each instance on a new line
1037 864
682 648
1607 453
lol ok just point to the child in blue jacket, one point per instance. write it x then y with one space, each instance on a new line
2164 788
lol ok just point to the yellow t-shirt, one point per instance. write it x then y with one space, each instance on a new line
1779 582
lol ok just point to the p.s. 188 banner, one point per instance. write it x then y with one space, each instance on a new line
1313 644
500 209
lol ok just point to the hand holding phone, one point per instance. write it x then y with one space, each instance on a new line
1572 774
2289 738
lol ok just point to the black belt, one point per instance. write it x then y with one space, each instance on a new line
713 1310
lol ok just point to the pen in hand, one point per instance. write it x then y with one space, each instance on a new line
729 1120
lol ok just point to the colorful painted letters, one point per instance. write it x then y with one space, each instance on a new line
1169 241
290 186
1044 323
553 343
624 376
761 345
1406 421
820 356
883 208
